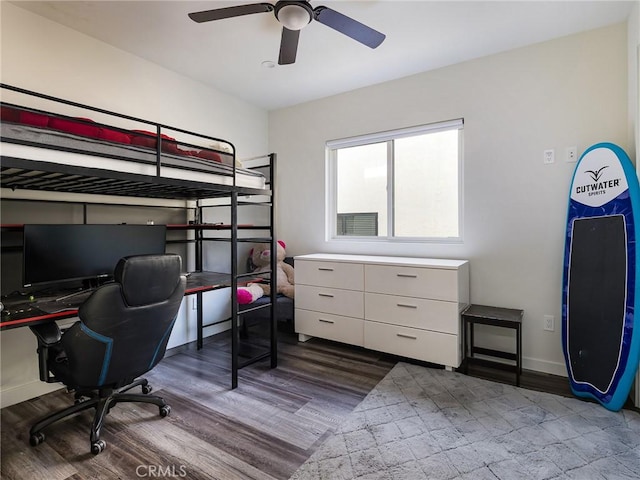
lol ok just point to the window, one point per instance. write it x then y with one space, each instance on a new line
408 182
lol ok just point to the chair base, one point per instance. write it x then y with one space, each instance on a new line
102 401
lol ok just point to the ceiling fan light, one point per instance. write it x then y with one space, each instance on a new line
293 17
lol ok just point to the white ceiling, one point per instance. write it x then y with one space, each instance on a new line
227 54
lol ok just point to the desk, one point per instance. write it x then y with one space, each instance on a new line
496 317
197 283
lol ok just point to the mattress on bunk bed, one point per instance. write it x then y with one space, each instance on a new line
44 144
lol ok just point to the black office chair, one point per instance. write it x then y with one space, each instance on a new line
123 332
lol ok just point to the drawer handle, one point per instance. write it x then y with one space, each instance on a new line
404 335
325 295
406 275
325 321
325 269
406 305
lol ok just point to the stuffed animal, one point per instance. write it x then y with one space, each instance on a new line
249 293
261 259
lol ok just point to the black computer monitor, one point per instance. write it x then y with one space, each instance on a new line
61 253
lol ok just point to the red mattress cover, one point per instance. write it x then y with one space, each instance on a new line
88 128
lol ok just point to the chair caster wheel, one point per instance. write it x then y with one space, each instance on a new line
98 447
165 411
36 439
147 389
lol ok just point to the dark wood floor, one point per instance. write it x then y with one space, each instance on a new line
264 429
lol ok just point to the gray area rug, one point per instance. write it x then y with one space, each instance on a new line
422 423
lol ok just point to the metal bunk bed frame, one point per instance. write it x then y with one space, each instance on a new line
24 174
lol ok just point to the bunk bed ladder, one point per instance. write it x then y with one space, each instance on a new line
271 238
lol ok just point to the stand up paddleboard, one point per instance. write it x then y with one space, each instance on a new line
600 333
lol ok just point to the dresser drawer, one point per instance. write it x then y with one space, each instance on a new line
330 274
434 283
332 327
420 313
434 347
330 300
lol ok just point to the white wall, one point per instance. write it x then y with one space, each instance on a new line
44 56
41 55
557 94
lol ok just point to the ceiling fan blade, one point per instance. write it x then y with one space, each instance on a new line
228 12
348 26
288 46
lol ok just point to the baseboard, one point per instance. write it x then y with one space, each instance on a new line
544 366
26 391
533 364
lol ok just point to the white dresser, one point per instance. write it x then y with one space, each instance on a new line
400 305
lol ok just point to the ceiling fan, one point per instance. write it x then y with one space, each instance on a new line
295 15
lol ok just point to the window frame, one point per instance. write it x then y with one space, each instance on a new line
331 148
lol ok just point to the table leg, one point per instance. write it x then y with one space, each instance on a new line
518 354
199 340
465 368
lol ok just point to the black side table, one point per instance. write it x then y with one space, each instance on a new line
495 317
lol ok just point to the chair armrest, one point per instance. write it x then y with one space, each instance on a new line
48 333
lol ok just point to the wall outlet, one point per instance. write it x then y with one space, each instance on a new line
549 156
549 323
572 154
